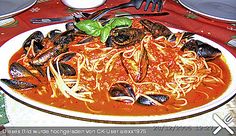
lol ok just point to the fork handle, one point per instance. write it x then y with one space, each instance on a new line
50 20
97 15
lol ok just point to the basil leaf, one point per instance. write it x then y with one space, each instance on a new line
105 32
90 27
122 21
94 28
113 23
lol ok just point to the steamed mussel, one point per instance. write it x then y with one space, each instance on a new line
202 49
48 54
154 99
124 37
17 70
53 34
137 68
65 69
34 41
156 29
122 92
16 84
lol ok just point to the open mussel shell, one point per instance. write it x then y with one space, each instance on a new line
66 57
122 92
64 38
152 99
173 38
124 37
65 69
53 33
156 29
38 37
41 59
137 69
202 49
17 70
16 84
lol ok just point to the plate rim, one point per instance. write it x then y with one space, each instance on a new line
192 8
114 118
10 14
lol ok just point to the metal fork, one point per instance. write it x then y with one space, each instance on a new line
74 16
133 3
77 15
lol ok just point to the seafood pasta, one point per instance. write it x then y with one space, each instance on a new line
137 67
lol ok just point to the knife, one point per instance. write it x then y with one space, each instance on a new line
222 124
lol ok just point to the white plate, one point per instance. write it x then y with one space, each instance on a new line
224 10
9 8
83 4
14 44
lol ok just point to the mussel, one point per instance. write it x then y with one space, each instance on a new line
53 33
122 92
66 57
16 84
41 59
65 69
153 99
124 37
137 68
64 38
185 35
202 49
156 29
35 40
17 70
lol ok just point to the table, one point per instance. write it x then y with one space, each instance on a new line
181 18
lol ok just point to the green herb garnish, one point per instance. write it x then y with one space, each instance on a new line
94 28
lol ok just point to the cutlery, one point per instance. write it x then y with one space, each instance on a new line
232 43
84 15
75 16
133 3
223 123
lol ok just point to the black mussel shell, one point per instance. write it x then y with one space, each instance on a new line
146 101
202 49
37 36
86 40
64 38
156 29
41 59
17 70
122 89
53 33
15 84
67 57
188 35
65 69
125 37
